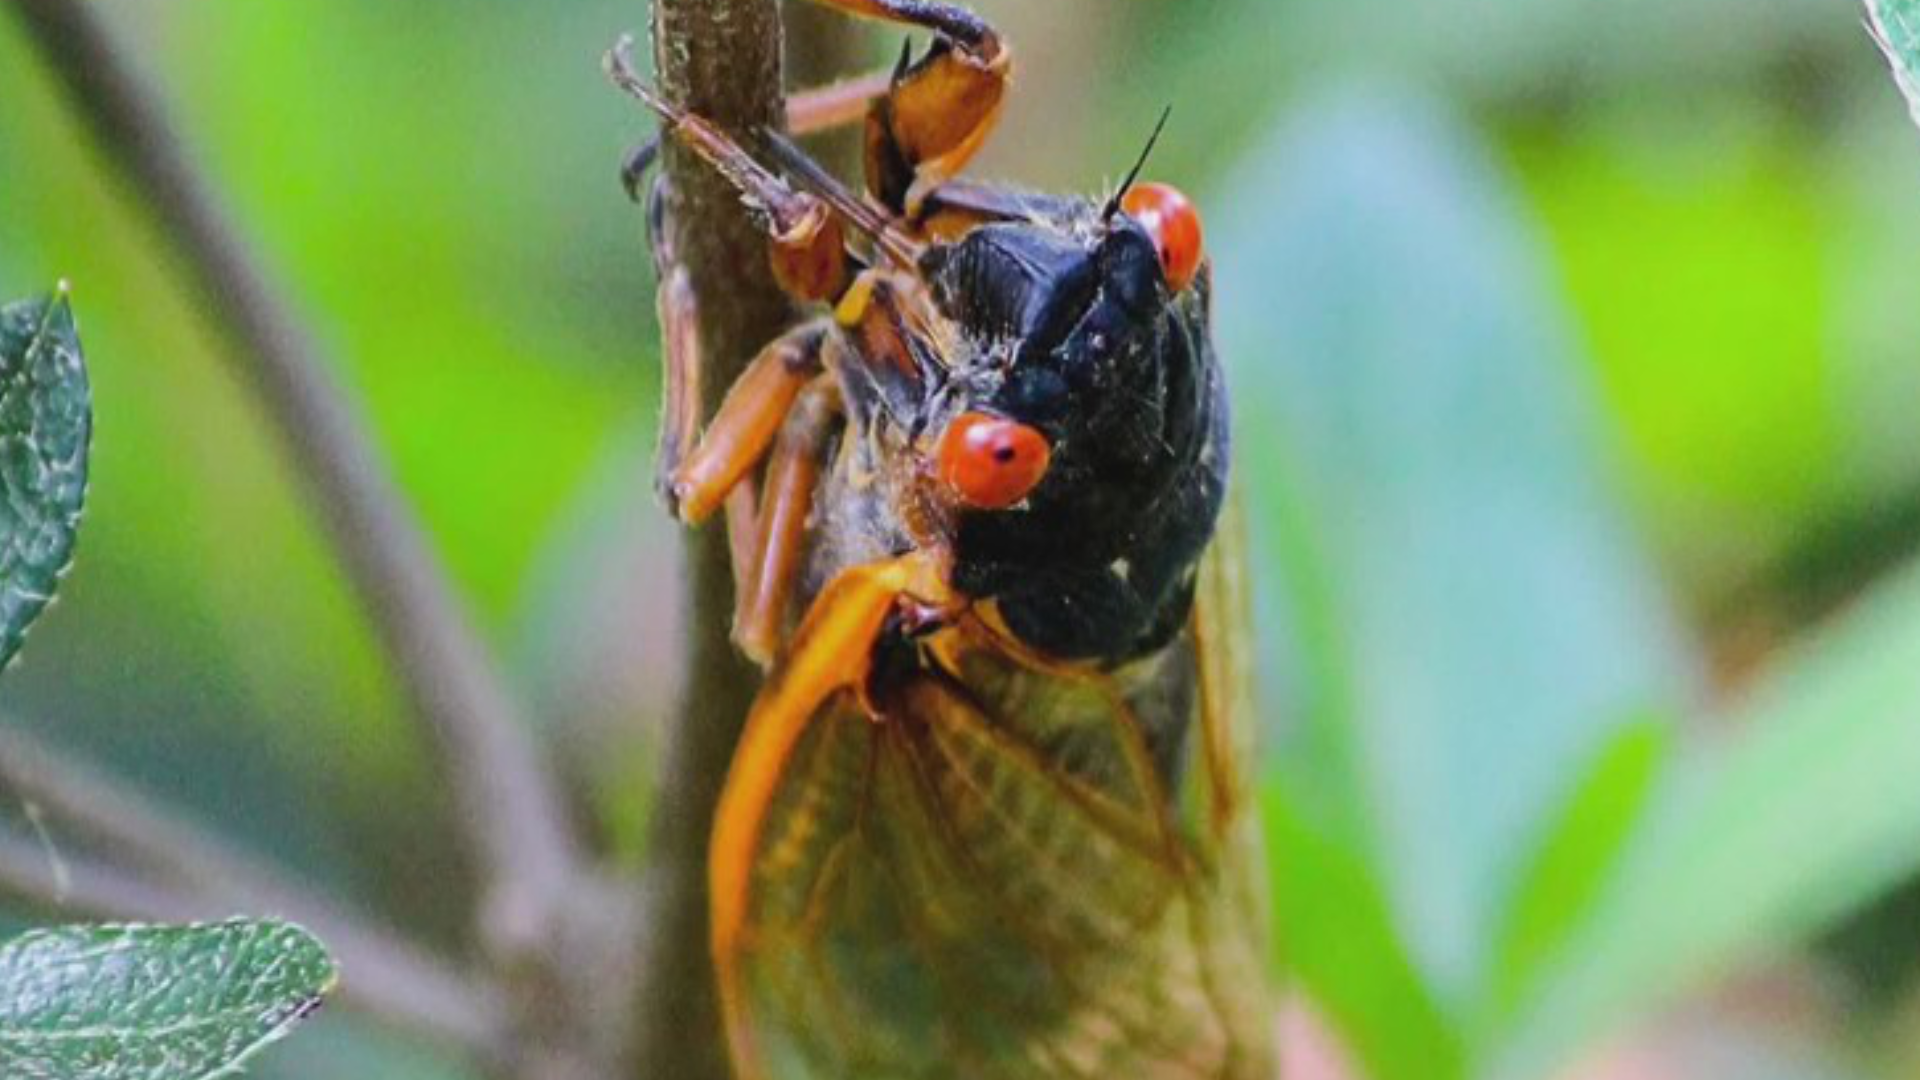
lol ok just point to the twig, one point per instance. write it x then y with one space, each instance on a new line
33 874
391 984
442 1003
139 830
507 798
722 60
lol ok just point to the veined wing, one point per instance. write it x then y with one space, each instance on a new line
995 882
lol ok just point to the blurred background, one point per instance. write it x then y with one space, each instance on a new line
1576 348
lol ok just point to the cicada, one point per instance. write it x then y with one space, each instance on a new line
988 817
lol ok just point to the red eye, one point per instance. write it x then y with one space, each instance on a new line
991 463
1174 225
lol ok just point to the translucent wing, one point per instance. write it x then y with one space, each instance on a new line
1014 873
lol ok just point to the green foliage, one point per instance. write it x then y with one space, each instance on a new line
1896 25
1491 843
1811 816
1411 407
46 421
1575 861
112 1002
1487 853
1336 934
1711 354
153 1003
491 311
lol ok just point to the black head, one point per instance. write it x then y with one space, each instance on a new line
1073 324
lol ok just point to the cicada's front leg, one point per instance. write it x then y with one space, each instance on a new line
702 471
940 108
807 241
678 309
743 430
809 112
782 410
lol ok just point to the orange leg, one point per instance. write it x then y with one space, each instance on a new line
830 653
793 472
744 428
940 108
680 408
743 538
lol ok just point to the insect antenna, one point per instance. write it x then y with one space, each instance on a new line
1133 174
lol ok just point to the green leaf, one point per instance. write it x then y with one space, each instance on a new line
1360 974
153 1003
1813 814
1571 868
46 420
1462 616
1716 359
1896 26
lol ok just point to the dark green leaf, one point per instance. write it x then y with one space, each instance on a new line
153 1003
46 419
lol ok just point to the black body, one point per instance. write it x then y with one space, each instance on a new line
1067 324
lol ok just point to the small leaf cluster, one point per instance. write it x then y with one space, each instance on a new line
112 1002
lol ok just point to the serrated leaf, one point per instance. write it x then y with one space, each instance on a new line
1896 26
46 421
153 1002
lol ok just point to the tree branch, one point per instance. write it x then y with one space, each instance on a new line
419 989
507 798
136 828
722 60
388 981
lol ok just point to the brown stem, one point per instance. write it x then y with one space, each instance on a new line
391 984
390 975
722 60
507 798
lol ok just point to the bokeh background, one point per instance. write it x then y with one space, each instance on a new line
1576 348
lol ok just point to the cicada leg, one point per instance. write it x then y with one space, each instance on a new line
830 653
808 241
809 112
793 472
924 121
743 430
680 390
783 410
825 108
940 108
680 439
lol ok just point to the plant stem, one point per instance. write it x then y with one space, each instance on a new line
508 800
722 60
391 983
173 852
